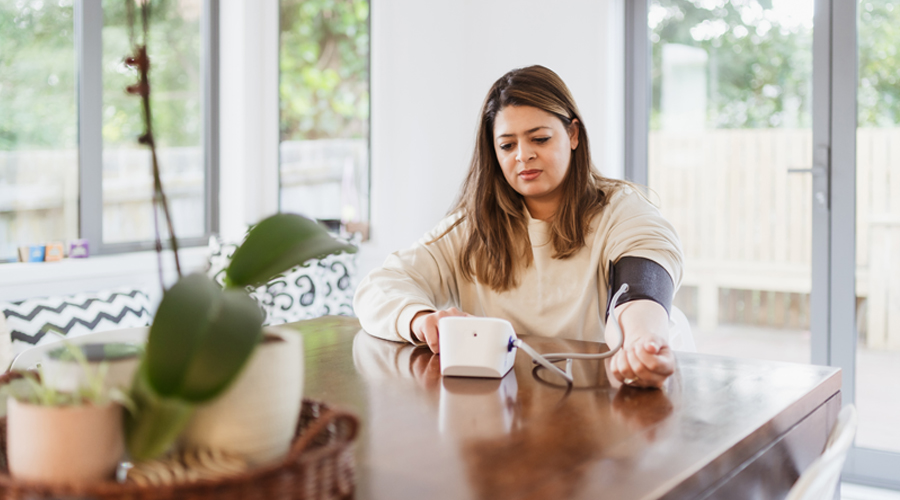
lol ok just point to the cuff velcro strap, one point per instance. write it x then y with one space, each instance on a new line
646 280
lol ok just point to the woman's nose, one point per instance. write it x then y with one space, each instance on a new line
524 154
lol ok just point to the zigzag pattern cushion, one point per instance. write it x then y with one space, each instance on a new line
31 322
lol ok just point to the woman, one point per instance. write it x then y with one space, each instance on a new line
538 238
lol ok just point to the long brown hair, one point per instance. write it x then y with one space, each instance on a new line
496 240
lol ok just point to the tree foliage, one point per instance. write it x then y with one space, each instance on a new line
879 64
38 102
37 75
760 60
175 51
324 64
323 89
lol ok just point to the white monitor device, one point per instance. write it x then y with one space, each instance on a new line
476 347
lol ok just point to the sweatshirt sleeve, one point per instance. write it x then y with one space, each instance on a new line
632 226
420 278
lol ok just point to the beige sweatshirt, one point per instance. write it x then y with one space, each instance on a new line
564 298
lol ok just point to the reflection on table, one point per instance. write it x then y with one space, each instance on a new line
721 428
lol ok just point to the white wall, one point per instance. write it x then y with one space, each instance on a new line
248 114
433 63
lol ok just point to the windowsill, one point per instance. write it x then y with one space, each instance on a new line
24 280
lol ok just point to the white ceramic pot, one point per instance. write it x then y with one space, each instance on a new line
63 444
257 416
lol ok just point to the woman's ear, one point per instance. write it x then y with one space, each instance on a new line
573 133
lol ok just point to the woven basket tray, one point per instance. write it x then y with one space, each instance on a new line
319 465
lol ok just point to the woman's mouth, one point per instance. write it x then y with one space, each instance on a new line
530 175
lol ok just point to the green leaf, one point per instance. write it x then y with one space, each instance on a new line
200 338
157 422
237 330
181 321
279 243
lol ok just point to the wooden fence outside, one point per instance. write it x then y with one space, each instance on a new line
39 195
39 190
746 225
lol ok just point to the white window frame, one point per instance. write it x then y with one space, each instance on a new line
131 264
88 21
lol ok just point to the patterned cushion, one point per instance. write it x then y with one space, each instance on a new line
30 321
294 296
337 277
220 255
318 288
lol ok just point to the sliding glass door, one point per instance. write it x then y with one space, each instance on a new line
729 150
741 117
877 360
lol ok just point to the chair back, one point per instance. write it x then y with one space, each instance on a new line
821 479
681 338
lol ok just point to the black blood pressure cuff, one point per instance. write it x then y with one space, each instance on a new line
646 280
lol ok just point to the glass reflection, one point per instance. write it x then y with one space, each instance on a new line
38 126
731 108
477 408
878 226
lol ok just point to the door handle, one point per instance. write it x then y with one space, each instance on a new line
813 170
819 170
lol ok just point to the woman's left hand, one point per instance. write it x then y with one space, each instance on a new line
645 360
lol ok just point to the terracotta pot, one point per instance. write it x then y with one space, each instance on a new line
257 416
63 444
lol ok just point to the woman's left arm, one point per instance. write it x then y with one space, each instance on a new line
643 250
645 359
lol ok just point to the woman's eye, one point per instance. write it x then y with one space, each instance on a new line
541 140
506 147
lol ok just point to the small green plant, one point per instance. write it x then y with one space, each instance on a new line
37 391
202 335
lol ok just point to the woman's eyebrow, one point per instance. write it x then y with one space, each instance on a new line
535 129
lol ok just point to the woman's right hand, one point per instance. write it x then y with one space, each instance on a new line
424 326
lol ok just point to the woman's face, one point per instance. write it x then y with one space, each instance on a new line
534 148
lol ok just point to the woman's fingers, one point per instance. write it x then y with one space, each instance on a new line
645 364
430 333
635 363
622 368
642 376
657 358
425 327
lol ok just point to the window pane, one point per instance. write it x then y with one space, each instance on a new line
175 82
878 226
324 101
38 125
731 113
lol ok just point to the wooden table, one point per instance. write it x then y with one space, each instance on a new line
722 428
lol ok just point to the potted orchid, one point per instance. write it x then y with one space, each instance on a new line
203 336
